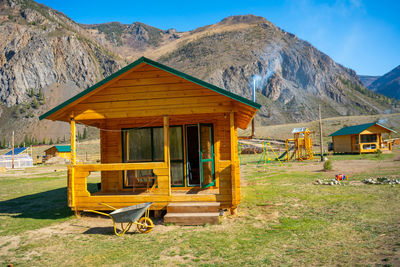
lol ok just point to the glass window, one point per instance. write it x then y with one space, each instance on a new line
158 144
175 139
139 178
139 145
368 138
176 155
144 144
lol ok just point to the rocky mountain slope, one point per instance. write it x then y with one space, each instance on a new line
388 84
45 58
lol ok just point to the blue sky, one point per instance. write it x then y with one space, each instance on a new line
362 35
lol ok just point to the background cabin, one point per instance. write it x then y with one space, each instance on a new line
62 151
165 137
363 138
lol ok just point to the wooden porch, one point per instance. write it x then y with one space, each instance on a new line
162 193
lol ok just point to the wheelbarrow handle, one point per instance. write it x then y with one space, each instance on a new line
101 213
108 206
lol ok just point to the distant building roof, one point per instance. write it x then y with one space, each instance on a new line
62 148
357 129
299 130
17 150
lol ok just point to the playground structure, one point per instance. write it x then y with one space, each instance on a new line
265 149
302 145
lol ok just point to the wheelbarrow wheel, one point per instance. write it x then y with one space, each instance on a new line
145 225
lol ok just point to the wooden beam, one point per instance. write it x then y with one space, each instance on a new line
166 151
73 141
93 115
233 167
120 166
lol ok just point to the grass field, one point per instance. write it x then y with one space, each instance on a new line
284 219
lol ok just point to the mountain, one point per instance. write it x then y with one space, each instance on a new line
388 84
45 58
367 79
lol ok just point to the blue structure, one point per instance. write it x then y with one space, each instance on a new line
17 150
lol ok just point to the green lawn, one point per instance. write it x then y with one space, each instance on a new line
283 220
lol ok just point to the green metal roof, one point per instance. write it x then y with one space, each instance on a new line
63 148
162 67
356 129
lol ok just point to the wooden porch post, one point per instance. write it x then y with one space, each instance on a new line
390 143
73 141
73 162
166 151
233 162
359 143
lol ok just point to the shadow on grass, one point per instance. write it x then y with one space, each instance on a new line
50 204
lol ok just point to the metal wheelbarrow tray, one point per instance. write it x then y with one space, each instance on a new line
130 215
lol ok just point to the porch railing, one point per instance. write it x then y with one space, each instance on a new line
77 178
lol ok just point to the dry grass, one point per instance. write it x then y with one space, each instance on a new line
330 125
283 219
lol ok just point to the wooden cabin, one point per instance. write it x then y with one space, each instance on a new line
363 138
62 151
165 137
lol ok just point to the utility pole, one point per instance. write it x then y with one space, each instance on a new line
253 130
321 144
12 149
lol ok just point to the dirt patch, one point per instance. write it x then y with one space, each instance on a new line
349 167
8 243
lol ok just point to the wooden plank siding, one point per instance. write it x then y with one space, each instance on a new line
112 181
149 91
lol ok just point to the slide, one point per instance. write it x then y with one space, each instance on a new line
283 155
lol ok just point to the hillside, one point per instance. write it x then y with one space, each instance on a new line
367 79
388 84
46 58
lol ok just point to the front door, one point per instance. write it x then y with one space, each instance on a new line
206 156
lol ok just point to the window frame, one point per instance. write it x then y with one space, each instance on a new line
125 150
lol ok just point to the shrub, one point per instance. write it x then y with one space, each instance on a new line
328 165
378 153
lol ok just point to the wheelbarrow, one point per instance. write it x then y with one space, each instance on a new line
128 216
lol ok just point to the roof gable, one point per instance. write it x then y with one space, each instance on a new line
357 129
65 148
118 76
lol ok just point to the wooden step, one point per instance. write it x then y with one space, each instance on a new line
193 207
192 218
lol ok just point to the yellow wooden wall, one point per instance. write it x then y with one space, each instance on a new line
111 150
149 91
65 155
375 129
342 144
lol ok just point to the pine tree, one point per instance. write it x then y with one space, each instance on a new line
35 103
85 134
51 141
31 93
41 97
